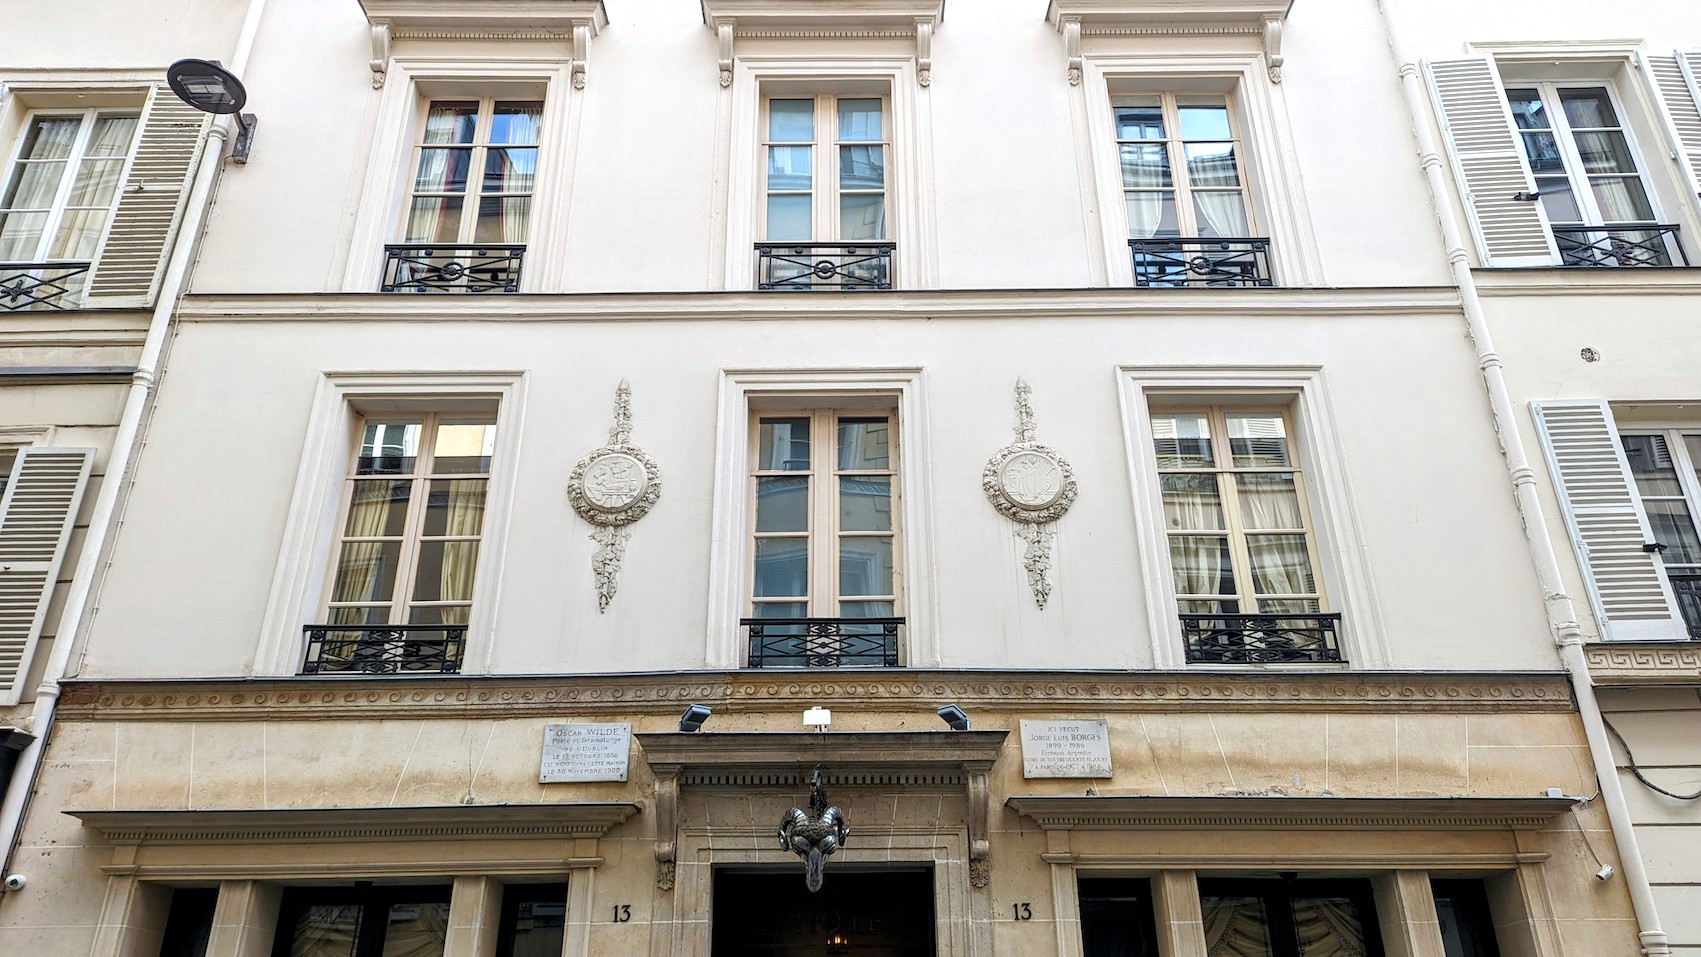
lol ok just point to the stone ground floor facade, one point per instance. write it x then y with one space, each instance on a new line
1393 809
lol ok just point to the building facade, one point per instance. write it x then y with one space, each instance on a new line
1082 366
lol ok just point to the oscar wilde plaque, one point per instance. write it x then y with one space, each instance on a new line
1065 749
585 752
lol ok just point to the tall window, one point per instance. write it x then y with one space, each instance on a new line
63 184
1667 468
823 485
476 172
1116 917
410 534
364 922
1180 159
826 169
1289 918
1240 539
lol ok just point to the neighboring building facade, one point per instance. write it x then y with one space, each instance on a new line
1084 364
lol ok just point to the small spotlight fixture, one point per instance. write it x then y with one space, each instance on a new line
210 88
694 716
954 716
817 718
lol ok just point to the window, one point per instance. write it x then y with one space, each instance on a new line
534 920
1666 467
1241 553
470 198
1467 923
363 921
401 592
59 196
1289 918
824 576
1116 917
825 187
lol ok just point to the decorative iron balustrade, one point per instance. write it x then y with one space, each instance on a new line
384 649
1619 246
1687 589
1261 639
823 642
27 286
468 269
804 267
1201 262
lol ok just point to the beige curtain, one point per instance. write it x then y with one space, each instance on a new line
421 935
1220 213
327 931
1235 927
92 193
464 517
1328 927
362 563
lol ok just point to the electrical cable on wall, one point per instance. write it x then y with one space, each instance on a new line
1630 763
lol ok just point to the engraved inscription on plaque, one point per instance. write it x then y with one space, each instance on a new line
1031 479
614 481
585 752
1065 749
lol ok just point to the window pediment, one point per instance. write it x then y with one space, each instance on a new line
825 19
1135 18
486 20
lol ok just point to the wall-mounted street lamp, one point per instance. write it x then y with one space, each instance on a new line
694 716
211 88
954 716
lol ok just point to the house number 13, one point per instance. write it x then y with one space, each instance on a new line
622 913
1022 911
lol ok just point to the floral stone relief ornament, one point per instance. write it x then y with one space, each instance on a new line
611 488
1033 486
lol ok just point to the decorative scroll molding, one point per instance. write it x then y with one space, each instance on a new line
611 488
582 33
924 52
825 20
1644 663
1186 18
1033 486
1071 28
723 32
380 62
1273 48
1217 812
575 20
1005 692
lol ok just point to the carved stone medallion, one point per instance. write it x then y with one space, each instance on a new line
1032 485
612 487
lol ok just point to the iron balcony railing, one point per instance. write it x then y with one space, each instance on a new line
42 286
1687 588
823 642
1619 246
435 268
1214 263
821 267
384 649
1261 639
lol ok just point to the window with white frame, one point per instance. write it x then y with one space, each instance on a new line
824 550
825 193
60 192
1666 467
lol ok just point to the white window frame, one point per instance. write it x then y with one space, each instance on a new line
825 169
380 198
1336 538
1271 184
1575 173
301 581
1685 464
478 152
741 135
1180 178
56 212
745 391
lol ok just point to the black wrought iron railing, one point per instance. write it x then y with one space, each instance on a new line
451 269
823 642
42 286
822 267
384 649
1261 639
1210 263
1687 589
1619 246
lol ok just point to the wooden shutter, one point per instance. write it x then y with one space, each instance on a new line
128 265
1679 98
1627 585
36 517
1488 163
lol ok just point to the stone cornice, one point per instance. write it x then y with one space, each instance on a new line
766 750
730 693
1628 663
320 825
1561 281
518 19
1320 813
1020 304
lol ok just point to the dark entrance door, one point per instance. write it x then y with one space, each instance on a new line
859 913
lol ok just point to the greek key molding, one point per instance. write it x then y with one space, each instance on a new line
1644 663
375 697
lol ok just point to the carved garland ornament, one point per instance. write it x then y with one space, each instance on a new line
611 488
1033 486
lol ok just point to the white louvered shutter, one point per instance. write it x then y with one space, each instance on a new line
1488 163
129 262
1627 584
36 517
1679 98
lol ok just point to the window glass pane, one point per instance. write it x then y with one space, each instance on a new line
1236 927
111 136
358 615
862 167
440 615
1116 918
416 930
1183 440
782 567
366 571
455 507
1211 164
377 508
1269 500
1201 564
1281 565
782 445
1204 118
434 220
445 571
1139 118
865 566
865 503
1220 213
865 609
1621 199
790 219
1672 526
1151 214
1558 201
515 122
1690 442
450 123
862 217
1651 464
790 167
20 235
859 121
388 448
34 185
1605 151
534 920
782 504
1289 606
96 182
1192 501
1542 150
1467 924
791 121
781 609
1328 927
79 234
1145 165
502 219
442 170
463 447
1588 108
1257 440
864 443
510 169
1528 111
50 137
326 931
